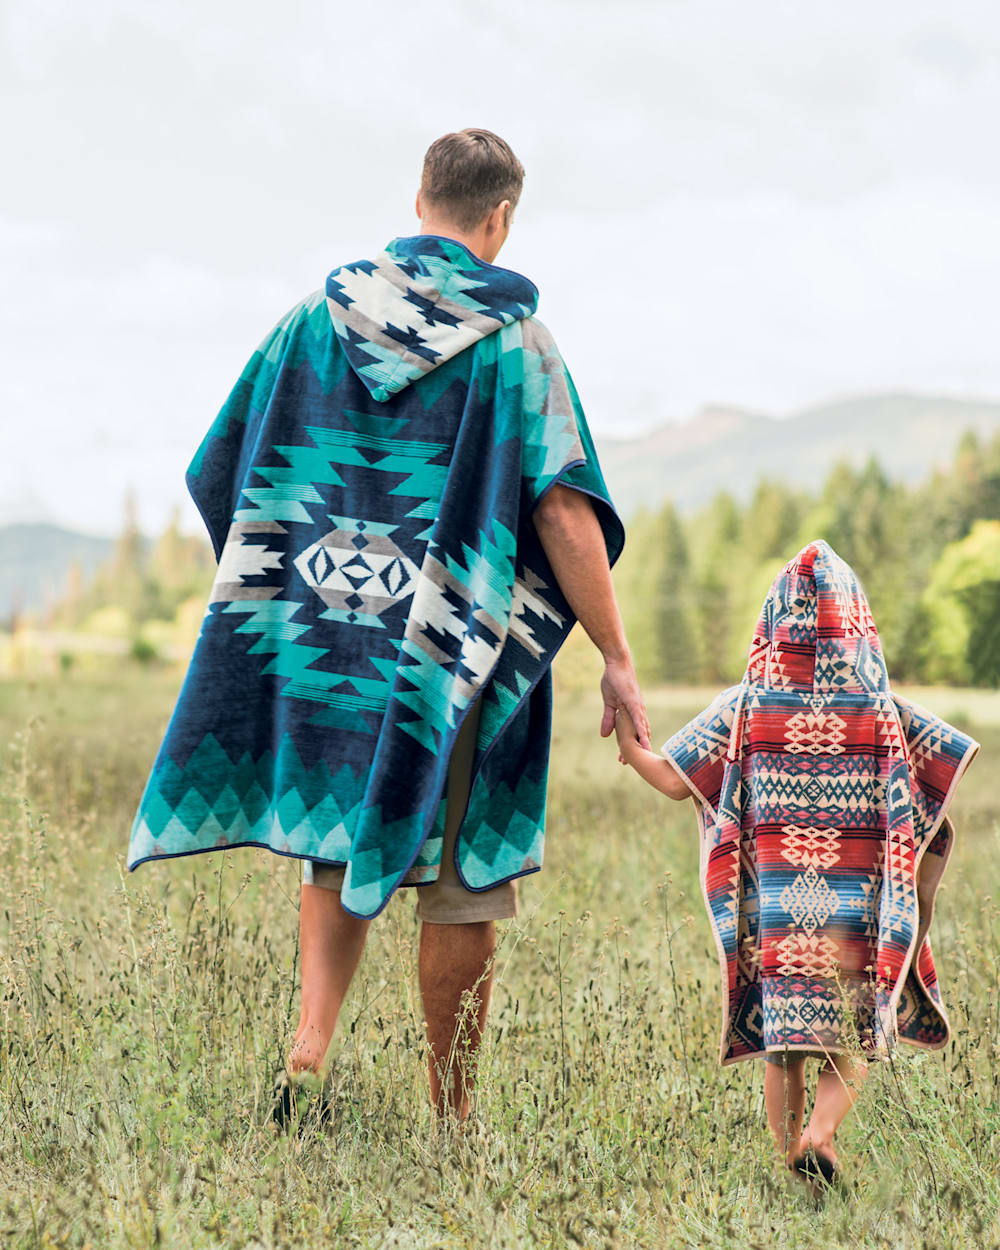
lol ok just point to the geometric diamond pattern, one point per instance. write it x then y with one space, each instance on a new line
807 955
358 572
809 900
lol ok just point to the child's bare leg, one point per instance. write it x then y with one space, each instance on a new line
785 1099
837 1089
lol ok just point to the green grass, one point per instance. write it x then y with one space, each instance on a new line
143 1019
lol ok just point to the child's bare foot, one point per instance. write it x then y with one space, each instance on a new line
792 1154
817 1163
820 1144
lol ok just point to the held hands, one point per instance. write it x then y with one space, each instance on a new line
625 732
620 690
655 769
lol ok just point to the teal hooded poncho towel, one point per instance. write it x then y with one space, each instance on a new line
369 489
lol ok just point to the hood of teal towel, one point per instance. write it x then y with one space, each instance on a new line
417 304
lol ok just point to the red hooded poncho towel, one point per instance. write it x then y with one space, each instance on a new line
822 801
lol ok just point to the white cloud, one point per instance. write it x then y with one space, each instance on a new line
759 204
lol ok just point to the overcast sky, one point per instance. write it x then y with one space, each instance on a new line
763 205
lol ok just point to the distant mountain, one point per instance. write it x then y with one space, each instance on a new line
731 449
35 561
719 449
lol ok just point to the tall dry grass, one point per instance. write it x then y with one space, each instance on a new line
143 1018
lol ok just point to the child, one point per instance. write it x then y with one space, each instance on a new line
822 802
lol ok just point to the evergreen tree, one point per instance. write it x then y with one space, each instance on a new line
982 603
70 609
125 576
989 501
772 522
967 487
635 578
179 566
676 651
716 589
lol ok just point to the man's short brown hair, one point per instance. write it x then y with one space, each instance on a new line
468 173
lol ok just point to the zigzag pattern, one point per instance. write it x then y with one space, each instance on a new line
468 601
220 801
291 487
391 454
510 842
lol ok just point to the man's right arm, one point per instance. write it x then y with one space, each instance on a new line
571 535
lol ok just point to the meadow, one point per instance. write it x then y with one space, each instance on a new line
144 1016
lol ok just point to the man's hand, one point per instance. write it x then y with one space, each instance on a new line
571 536
620 689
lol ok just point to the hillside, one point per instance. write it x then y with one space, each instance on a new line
35 560
731 449
720 448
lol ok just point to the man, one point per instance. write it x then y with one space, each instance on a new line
408 516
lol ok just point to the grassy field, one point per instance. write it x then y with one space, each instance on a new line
144 1017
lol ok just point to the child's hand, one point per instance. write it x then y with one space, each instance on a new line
628 742
652 768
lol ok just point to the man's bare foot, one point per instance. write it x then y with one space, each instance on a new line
299 1101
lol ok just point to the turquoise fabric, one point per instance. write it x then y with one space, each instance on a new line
369 489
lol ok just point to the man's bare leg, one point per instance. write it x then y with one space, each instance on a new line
785 1099
456 979
331 941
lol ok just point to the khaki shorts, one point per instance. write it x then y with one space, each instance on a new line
446 900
